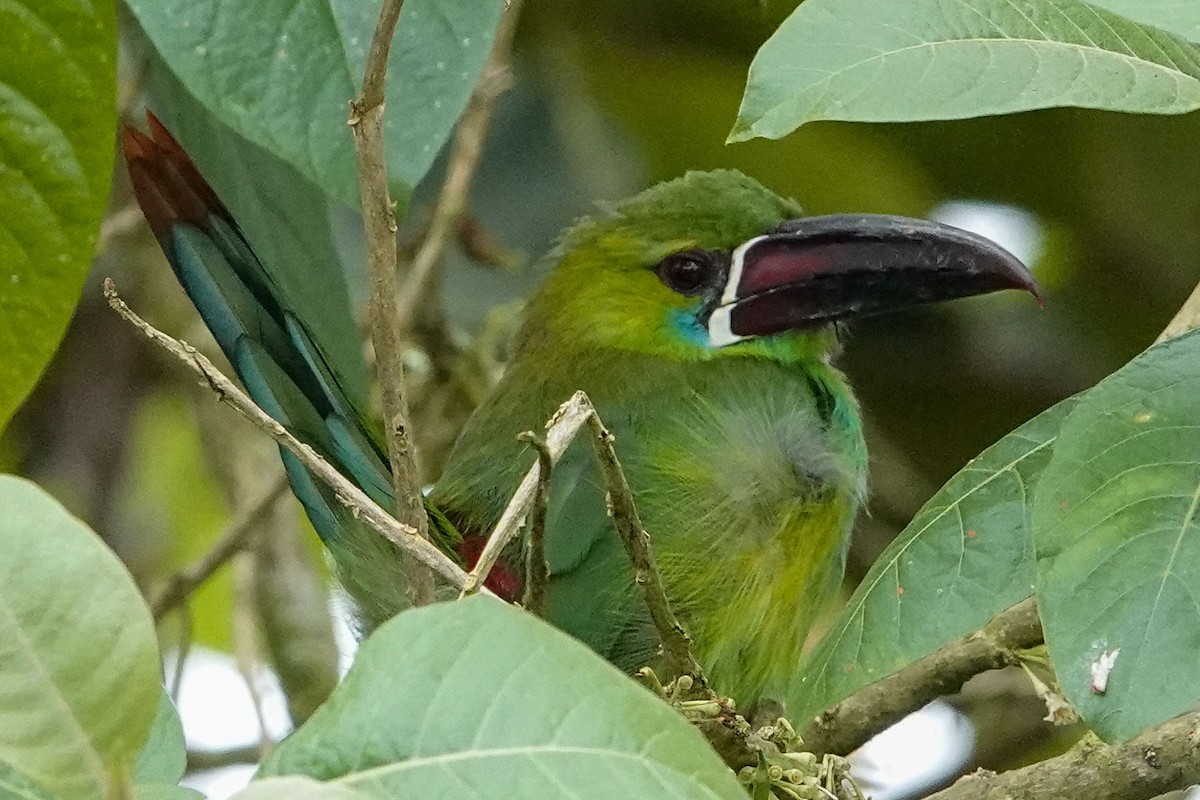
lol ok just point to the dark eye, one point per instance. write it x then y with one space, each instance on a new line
687 272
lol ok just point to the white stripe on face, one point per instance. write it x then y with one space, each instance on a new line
720 332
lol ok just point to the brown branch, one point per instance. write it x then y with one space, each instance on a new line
352 497
461 162
237 537
536 570
853 721
560 430
676 645
379 220
1161 760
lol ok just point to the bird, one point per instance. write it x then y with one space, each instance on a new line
702 318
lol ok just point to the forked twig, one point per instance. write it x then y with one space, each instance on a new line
560 431
236 538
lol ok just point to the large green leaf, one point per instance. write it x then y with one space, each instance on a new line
477 699
281 73
57 119
79 672
1117 529
885 61
1180 17
164 791
964 558
298 788
15 786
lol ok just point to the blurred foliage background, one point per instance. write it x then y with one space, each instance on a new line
608 98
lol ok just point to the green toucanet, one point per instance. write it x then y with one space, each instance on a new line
700 317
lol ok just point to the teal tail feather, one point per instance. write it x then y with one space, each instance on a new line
278 361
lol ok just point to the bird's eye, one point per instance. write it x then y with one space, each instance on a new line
687 272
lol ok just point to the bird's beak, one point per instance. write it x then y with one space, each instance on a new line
813 271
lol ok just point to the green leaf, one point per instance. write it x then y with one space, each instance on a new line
477 699
165 791
78 658
164 757
1117 529
281 73
298 788
965 557
57 122
1180 17
884 61
15 786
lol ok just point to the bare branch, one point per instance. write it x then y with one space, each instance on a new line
353 498
1161 760
677 646
853 721
379 220
247 645
536 571
560 430
461 163
236 538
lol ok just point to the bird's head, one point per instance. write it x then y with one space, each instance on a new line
714 264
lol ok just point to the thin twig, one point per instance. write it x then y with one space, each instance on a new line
1163 759
379 220
850 723
676 645
560 430
536 571
461 163
236 538
353 498
182 651
247 645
